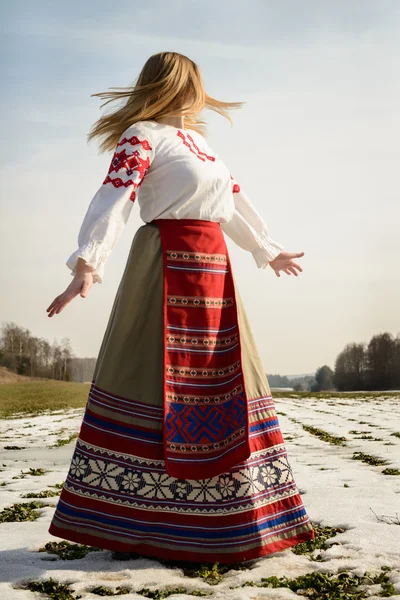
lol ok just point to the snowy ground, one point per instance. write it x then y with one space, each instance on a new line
337 492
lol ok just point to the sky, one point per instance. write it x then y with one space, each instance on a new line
315 147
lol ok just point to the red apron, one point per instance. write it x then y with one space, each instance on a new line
206 429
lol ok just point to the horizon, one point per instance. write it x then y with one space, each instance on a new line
314 147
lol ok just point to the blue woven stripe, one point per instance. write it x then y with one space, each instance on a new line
130 431
183 532
265 425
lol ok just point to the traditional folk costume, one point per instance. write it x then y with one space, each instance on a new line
180 454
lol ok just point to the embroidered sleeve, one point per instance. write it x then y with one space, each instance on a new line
249 231
109 210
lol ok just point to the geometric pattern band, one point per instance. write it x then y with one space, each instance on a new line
202 352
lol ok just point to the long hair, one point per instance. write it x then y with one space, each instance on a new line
169 84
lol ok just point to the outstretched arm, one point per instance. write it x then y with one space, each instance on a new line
107 215
249 231
109 210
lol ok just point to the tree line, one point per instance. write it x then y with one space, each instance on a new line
25 354
372 366
368 366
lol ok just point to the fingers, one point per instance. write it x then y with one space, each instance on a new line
293 270
52 308
288 269
52 304
57 306
61 302
80 285
296 266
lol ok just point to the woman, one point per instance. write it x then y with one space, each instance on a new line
180 453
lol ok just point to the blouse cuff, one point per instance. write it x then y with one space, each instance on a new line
94 255
267 252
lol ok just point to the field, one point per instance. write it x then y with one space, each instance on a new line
344 450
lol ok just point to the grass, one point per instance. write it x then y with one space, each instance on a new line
146 592
330 586
42 494
38 397
324 586
34 472
61 591
390 471
369 459
322 534
325 436
21 512
53 589
100 590
358 432
67 551
64 442
161 594
211 573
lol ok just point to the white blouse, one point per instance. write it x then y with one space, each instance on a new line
174 174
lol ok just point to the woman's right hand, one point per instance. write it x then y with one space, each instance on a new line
81 284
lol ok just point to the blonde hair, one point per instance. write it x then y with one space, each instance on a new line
169 84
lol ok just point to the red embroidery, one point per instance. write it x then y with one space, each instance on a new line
134 141
196 150
117 183
212 158
133 164
235 188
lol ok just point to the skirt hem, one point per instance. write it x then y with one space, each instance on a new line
155 552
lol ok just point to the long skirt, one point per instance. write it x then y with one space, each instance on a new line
180 453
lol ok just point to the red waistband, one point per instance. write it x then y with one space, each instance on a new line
183 222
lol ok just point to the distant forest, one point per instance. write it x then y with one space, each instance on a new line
26 354
371 366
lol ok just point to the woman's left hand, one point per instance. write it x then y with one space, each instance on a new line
285 262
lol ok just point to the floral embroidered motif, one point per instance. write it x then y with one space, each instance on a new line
131 481
265 475
78 466
226 486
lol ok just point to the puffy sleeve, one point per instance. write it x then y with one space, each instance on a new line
248 230
110 207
